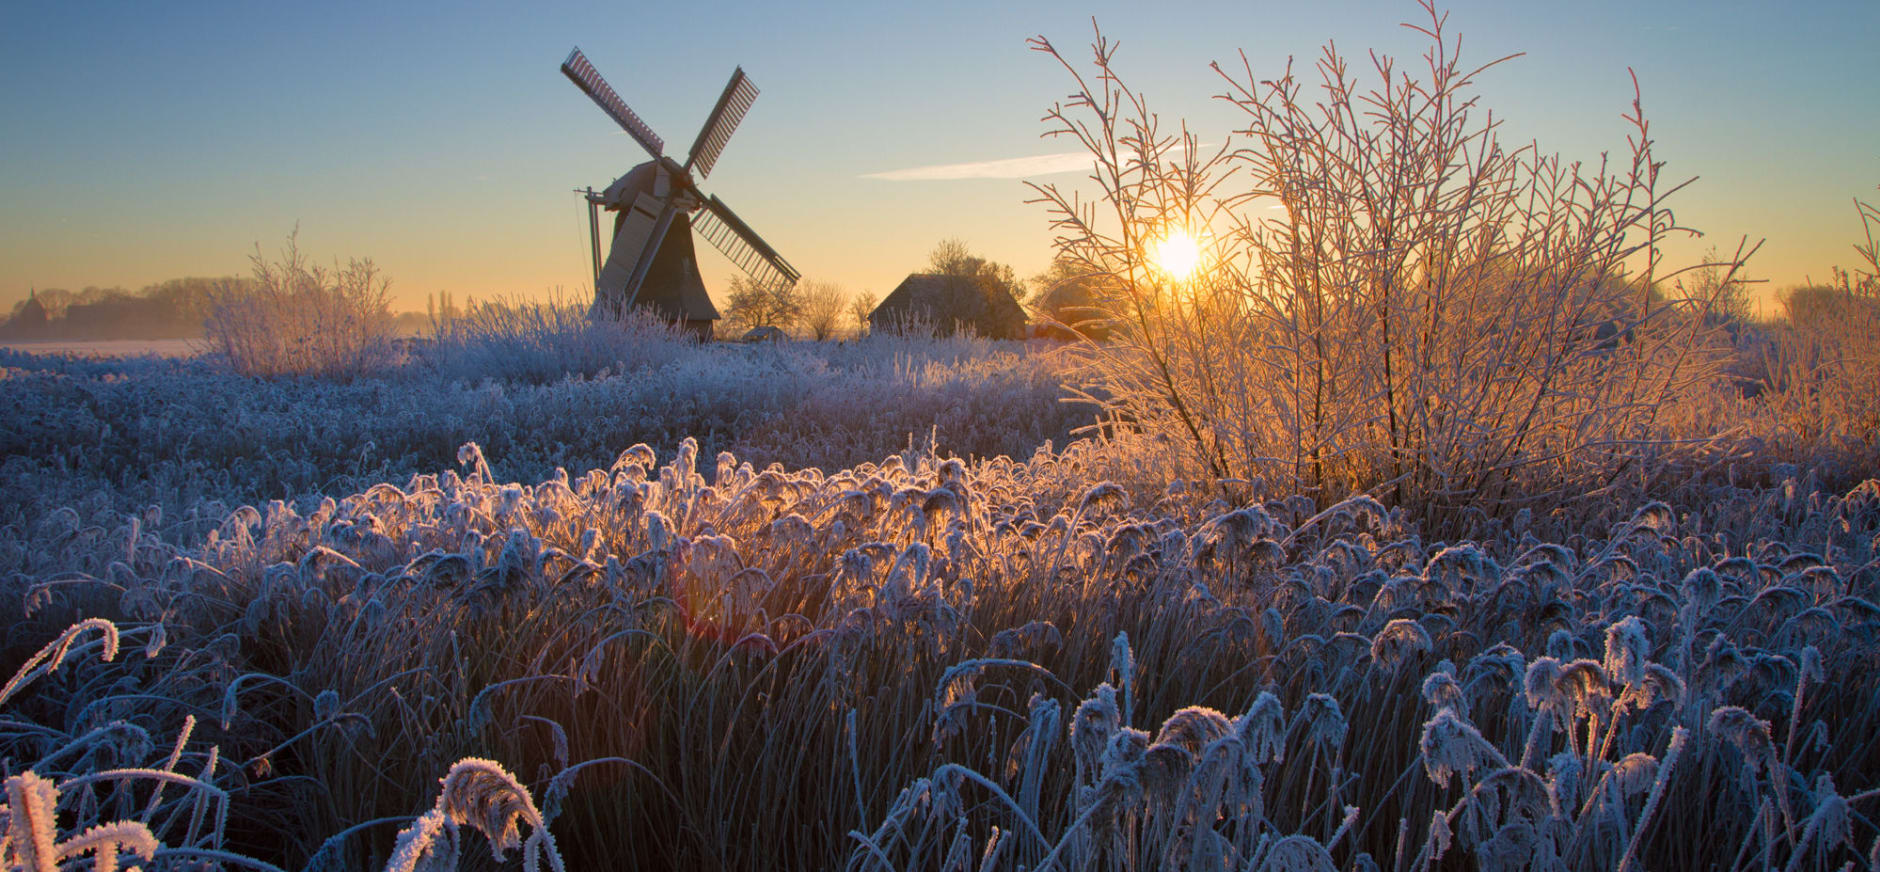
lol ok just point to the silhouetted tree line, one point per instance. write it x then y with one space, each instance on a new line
174 309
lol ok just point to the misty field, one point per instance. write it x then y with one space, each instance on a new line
1419 518
107 347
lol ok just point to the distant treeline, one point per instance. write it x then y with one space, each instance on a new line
174 309
169 310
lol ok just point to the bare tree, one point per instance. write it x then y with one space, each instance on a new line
753 304
951 257
821 310
860 307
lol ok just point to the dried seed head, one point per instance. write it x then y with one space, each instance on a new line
1561 645
958 695
1122 660
1440 835
1164 770
1324 721
1452 746
1398 642
1627 650
1585 685
1502 664
1193 728
1634 773
1092 725
1811 664
430 843
1750 734
1831 822
658 531
1124 752
1701 588
1441 691
1563 781
1510 849
1660 683
1298 853
325 704
1654 516
1262 730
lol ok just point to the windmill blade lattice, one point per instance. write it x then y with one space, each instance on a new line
582 73
730 235
739 93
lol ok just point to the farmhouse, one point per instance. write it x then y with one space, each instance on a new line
947 304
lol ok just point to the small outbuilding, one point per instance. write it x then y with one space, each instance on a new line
946 304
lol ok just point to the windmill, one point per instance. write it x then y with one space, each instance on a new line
658 204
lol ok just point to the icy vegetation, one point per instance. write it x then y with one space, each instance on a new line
930 663
196 441
1467 548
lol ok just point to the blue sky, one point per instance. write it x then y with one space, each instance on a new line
149 141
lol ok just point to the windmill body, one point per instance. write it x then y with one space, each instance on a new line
672 287
651 261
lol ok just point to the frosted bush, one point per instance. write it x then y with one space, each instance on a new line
297 318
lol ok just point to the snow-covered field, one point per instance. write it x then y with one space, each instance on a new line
874 606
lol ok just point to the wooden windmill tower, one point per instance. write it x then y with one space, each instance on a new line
657 205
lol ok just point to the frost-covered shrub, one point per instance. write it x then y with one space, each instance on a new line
1390 300
297 318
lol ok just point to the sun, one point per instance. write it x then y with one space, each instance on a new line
1177 253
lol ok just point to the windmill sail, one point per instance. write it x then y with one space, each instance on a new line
582 73
739 93
730 235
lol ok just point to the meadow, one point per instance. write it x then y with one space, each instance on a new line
981 650
1389 539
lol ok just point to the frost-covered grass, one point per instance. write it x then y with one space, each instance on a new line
591 596
852 606
187 436
928 663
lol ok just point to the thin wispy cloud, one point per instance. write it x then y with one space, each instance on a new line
1009 168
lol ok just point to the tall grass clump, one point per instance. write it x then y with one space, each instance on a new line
539 343
1392 300
296 317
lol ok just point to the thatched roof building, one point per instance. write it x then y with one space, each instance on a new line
947 304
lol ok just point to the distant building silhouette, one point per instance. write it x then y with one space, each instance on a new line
946 304
30 319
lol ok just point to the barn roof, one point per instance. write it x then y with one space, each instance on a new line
948 303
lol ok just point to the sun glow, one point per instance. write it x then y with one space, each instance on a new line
1177 253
